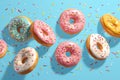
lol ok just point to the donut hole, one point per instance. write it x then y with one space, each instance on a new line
20 29
24 60
72 21
44 32
68 54
99 46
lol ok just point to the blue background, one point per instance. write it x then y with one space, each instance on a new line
47 67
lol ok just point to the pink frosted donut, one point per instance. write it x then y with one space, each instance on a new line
73 49
43 33
76 26
3 48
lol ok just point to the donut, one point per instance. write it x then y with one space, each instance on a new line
73 49
3 48
19 28
26 60
111 25
43 33
97 46
78 21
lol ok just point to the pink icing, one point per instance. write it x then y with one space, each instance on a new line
3 46
74 50
39 28
77 16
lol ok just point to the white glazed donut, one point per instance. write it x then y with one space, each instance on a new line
98 46
26 60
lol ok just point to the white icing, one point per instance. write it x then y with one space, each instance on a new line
97 38
31 55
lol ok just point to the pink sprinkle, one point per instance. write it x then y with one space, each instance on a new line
17 69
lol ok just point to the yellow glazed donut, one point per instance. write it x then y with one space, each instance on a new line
111 25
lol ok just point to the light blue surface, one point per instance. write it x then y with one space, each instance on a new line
49 11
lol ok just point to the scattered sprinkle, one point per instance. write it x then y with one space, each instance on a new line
6 9
19 11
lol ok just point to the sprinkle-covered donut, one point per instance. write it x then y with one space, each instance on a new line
78 21
19 28
73 49
26 60
3 48
43 33
98 46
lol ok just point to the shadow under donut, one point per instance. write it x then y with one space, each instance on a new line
59 69
61 33
10 41
90 61
10 73
113 41
42 50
